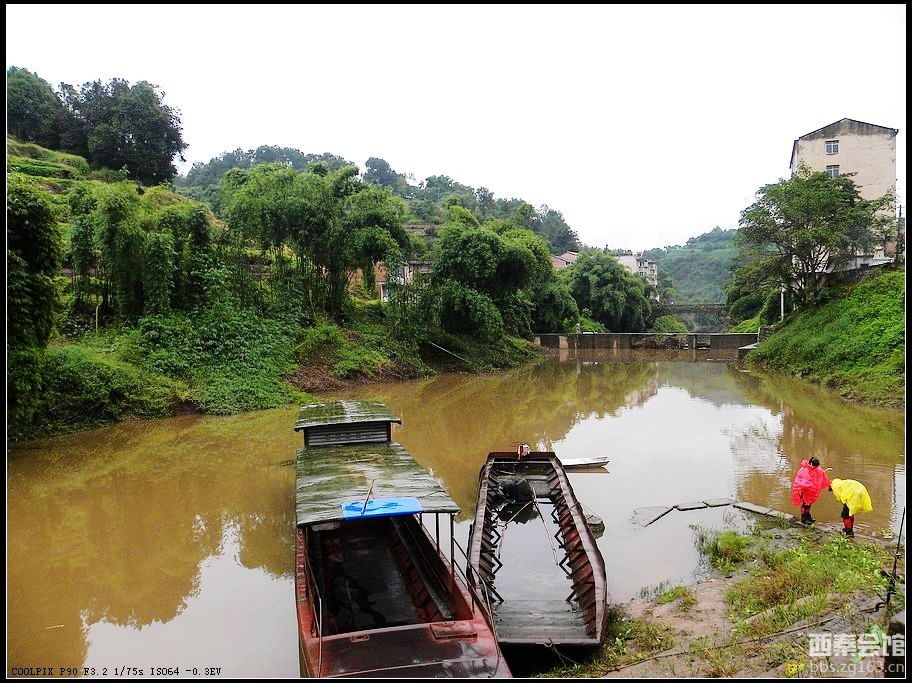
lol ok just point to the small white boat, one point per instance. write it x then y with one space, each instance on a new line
593 461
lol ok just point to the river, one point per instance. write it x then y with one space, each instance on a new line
169 543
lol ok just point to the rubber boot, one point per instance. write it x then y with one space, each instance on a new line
806 515
847 524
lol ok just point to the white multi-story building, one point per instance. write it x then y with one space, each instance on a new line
850 146
638 265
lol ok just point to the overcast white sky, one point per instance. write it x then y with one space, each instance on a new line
643 125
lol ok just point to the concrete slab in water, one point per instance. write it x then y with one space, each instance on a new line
781 515
750 507
718 502
646 516
699 505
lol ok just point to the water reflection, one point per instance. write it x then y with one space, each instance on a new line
174 537
115 527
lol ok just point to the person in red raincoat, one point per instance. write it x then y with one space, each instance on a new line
809 482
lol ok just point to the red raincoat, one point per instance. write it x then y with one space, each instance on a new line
809 483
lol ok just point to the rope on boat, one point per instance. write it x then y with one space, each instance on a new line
503 533
545 524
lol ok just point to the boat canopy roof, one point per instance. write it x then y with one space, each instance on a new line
330 476
343 412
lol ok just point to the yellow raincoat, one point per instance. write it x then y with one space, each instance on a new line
853 494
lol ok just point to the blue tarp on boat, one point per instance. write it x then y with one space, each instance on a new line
381 507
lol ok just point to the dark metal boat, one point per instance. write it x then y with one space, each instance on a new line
526 574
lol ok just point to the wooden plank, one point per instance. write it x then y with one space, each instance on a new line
781 515
539 621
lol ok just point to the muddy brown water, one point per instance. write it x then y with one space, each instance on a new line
168 543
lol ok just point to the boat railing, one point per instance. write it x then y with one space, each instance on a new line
317 609
474 582
482 601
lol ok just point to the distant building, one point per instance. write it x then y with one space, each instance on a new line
565 260
408 273
865 149
639 265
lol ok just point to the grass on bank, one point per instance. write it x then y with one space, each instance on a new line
802 579
226 360
628 641
680 594
854 342
790 585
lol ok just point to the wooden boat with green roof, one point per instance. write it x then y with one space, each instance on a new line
375 594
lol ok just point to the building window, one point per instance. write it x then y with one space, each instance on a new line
832 146
832 171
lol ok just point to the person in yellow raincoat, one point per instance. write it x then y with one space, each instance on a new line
854 498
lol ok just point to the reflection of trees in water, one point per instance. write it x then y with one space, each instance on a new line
114 524
817 418
461 419
708 381
857 442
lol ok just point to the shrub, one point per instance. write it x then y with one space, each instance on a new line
668 323
464 310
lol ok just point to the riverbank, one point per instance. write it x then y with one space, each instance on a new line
227 361
769 591
853 343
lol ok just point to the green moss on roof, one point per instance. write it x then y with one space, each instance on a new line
343 412
332 475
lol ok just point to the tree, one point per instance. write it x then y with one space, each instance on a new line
33 257
334 222
614 296
204 176
115 125
507 265
379 172
33 111
556 231
555 308
485 200
801 228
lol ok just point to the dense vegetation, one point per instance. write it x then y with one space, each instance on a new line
427 202
257 281
797 232
853 342
611 294
112 125
167 307
699 270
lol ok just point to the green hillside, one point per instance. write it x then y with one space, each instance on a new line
700 268
854 342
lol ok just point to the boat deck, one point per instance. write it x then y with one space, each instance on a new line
539 621
370 579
